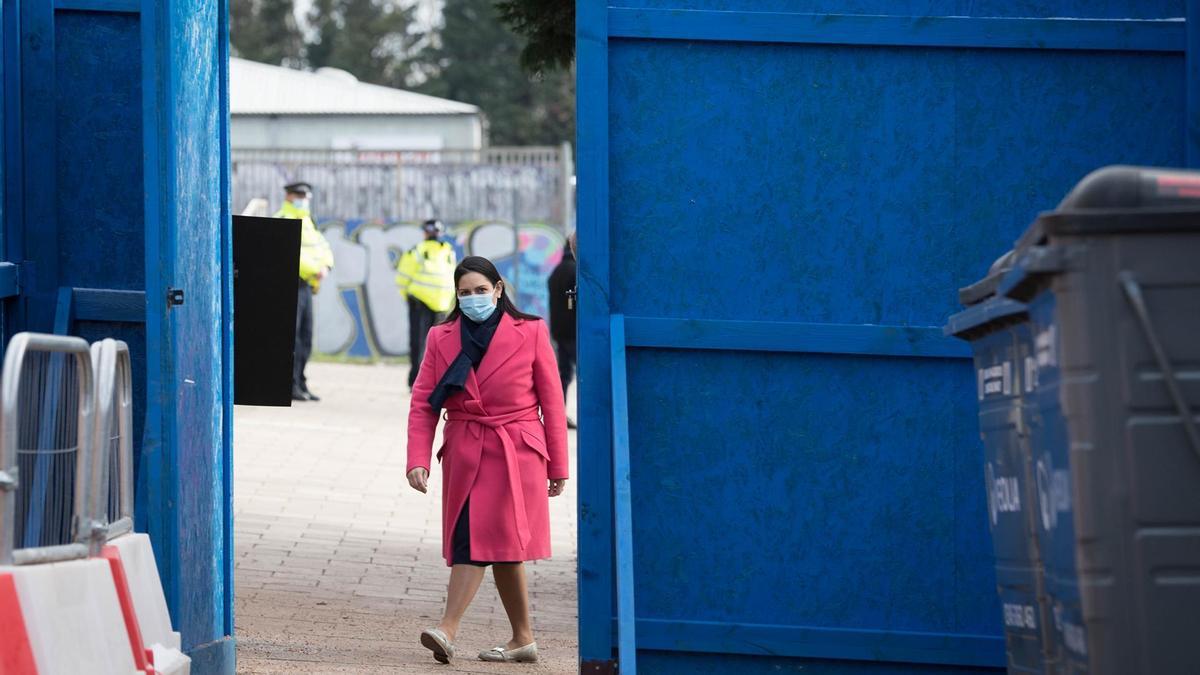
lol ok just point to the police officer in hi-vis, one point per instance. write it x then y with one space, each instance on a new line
316 260
425 276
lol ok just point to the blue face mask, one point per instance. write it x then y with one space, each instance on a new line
477 307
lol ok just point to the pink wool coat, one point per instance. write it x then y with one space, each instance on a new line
497 450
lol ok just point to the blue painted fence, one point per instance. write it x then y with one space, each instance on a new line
777 202
115 190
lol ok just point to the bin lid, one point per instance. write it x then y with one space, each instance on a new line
1122 199
993 312
1030 265
1134 187
986 287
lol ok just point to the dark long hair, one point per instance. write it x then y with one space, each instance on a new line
485 267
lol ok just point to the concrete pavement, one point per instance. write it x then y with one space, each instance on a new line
339 562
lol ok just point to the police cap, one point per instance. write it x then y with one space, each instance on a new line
298 188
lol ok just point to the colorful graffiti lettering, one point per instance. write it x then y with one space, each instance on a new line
359 312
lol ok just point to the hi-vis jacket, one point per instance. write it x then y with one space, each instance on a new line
315 253
426 272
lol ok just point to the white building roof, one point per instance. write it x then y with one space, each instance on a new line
262 89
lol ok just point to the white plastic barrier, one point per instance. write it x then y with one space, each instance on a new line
170 661
145 587
73 618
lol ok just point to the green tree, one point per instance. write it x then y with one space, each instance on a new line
369 38
265 31
475 59
549 27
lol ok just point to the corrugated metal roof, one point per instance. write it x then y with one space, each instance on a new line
262 89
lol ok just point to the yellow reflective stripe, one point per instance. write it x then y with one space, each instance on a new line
439 287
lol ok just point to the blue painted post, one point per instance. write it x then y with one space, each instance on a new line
156 496
226 313
64 309
622 505
595 444
187 246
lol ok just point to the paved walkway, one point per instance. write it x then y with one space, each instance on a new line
339 562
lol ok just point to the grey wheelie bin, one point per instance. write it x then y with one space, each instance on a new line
1111 280
998 329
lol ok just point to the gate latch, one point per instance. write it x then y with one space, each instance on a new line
174 297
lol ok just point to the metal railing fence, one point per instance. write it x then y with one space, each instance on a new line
47 408
518 185
111 476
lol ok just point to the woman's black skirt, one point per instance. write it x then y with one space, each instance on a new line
460 552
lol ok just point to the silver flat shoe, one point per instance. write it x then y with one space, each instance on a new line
436 641
526 654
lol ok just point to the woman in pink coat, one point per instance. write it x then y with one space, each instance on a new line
493 371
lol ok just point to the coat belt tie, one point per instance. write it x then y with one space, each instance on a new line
498 423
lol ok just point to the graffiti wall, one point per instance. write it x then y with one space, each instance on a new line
359 312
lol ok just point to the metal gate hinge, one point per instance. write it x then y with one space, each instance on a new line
599 667
174 297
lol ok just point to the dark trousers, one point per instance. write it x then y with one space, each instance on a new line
566 363
304 335
420 320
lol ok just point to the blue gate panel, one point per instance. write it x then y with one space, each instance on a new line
855 185
819 490
100 201
116 189
777 202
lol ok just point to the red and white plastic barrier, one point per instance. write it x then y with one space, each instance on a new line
146 588
148 604
103 615
143 659
73 617
16 654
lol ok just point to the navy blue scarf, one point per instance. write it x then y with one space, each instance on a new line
475 340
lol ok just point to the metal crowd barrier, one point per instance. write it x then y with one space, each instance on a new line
111 476
47 409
